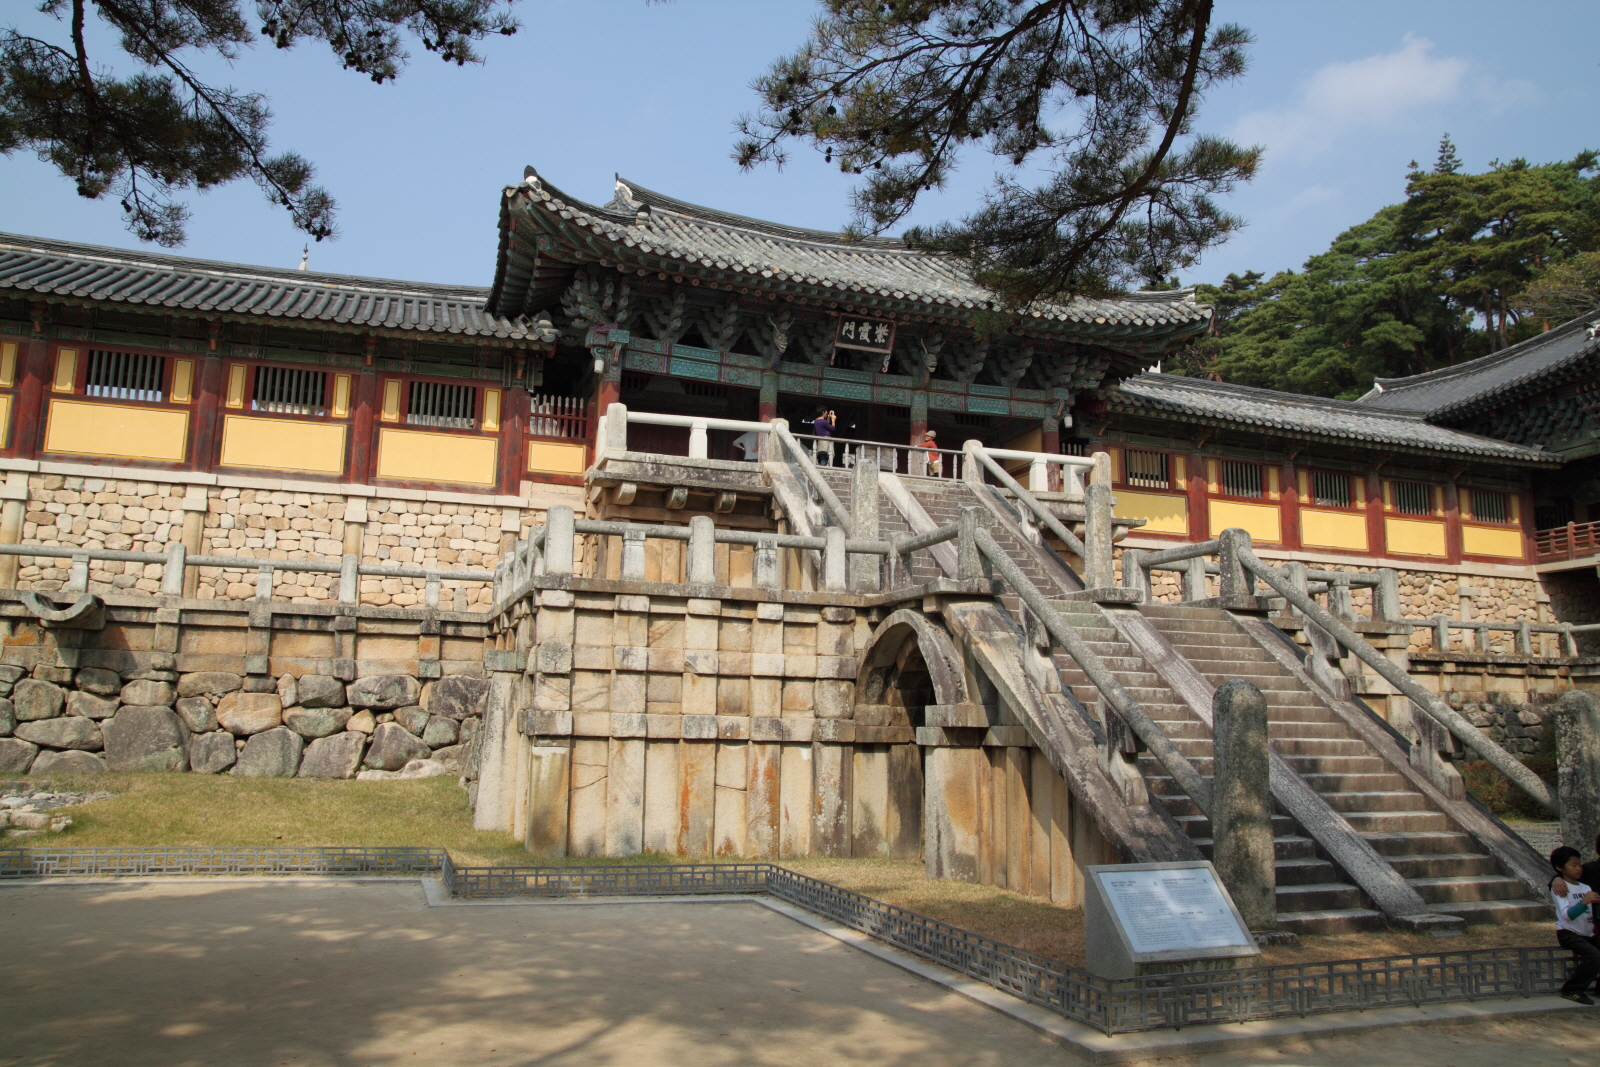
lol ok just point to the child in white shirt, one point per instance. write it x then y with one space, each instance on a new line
1575 906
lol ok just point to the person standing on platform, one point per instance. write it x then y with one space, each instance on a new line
935 466
1575 903
823 428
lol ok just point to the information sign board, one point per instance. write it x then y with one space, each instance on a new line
1153 918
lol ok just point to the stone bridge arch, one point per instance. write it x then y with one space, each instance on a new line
909 664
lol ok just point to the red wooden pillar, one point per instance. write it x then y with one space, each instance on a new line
1530 551
32 381
1377 539
208 410
513 440
1289 504
1199 508
1452 523
363 426
768 409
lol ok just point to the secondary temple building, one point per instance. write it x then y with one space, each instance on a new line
576 537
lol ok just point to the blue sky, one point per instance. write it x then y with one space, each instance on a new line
1342 95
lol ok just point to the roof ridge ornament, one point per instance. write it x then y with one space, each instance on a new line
531 179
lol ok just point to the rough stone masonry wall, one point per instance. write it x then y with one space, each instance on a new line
255 523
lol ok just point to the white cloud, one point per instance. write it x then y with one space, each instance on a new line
1357 96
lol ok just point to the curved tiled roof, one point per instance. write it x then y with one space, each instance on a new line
679 235
1491 380
32 266
1313 418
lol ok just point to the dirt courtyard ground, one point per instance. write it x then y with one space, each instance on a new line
182 973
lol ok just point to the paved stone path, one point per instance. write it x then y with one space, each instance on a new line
248 973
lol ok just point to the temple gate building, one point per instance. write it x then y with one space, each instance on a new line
575 536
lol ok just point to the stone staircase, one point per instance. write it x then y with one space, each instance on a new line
1447 868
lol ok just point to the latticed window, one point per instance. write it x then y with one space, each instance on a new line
1413 498
1330 490
125 376
453 407
1074 446
1241 479
290 391
1147 469
1490 506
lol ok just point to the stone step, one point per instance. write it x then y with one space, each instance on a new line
1309 870
1444 865
1429 842
1355 783
1284 847
1318 746
1497 912
1388 800
1331 921
1199 826
1308 731
1319 896
1388 822
1307 765
1467 888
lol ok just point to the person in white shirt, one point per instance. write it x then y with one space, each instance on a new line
750 443
1575 903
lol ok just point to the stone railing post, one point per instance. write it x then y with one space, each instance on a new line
349 579
697 439
1232 581
865 571
560 536
1441 633
1386 597
172 572
1194 579
1241 803
1133 575
1577 726
766 566
834 566
633 556
969 560
971 469
703 550
1039 476
1098 569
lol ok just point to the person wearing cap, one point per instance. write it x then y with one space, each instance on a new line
935 466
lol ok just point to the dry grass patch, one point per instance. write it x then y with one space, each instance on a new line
221 810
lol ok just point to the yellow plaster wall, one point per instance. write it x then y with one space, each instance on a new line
283 444
412 455
5 420
1491 541
1333 529
1162 512
117 430
1261 520
1412 537
550 457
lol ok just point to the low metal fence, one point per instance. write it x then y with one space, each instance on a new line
1154 1002
81 862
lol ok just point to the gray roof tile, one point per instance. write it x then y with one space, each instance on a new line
1297 415
59 269
1491 380
700 237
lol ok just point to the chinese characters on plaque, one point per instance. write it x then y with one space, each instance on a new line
868 335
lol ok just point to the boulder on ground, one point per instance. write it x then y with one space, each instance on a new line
35 700
393 747
311 723
458 697
90 706
8 717
440 731
338 756
197 714
99 681
415 720
288 691
147 693
417 768
70 762
273 753
244 714
320 691
452 756
212 753
69 731
16 754
208 684
363 722
148 738
383 691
